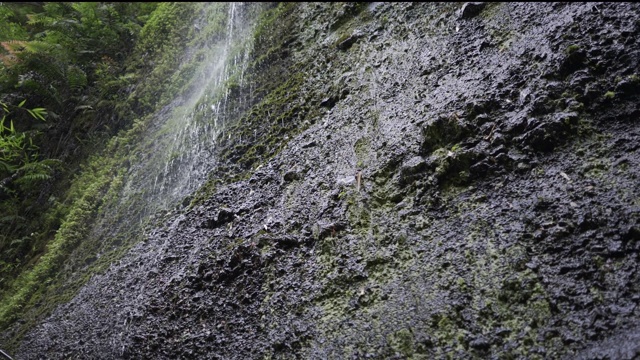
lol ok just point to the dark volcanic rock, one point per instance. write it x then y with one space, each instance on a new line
471 9
463 189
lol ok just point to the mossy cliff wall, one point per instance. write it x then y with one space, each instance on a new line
406 180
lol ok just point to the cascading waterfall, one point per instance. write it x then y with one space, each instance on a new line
176 152
178 148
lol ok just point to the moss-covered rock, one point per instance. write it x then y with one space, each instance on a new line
443 186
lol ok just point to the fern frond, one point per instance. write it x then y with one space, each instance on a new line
39 19
13 46
48 68
18 49
32 178
19 242
38 166
51 163
6 167
36 47
76 77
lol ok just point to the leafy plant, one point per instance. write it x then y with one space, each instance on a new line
18 154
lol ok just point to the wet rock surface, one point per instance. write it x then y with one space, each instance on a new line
467 188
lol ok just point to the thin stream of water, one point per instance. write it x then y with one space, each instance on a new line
174 156
180 154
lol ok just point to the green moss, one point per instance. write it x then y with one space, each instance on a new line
362 150
402 342
572 48
342 38
346 12
609 95
277 116
269 21
490 10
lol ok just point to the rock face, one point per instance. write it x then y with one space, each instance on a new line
465 186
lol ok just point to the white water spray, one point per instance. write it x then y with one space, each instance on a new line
179 145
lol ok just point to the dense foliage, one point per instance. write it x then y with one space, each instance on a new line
61 67
83 128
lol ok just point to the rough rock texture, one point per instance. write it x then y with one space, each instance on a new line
467 188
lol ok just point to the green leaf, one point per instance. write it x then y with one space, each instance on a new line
7 167
22 103
38 113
